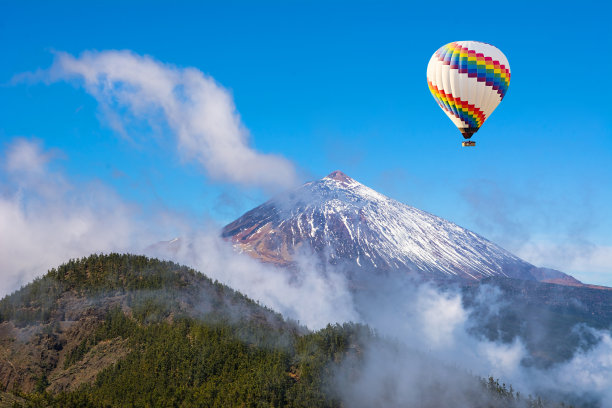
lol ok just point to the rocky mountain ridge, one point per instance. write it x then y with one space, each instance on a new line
348 224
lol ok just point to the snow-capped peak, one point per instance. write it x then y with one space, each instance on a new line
345 222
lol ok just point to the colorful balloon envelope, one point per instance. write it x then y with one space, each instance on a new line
468 79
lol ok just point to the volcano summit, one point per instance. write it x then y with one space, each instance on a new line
348 224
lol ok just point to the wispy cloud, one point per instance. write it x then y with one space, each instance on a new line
510 217
198 111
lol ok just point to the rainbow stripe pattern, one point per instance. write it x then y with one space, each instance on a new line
476 65
467 112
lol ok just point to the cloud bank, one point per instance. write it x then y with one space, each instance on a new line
199 112
440 348
45 219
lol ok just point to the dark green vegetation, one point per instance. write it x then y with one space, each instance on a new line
124 330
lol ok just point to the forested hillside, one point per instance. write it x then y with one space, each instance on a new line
125 330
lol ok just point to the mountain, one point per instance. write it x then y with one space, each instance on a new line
376 240
63 329
348 224
126 330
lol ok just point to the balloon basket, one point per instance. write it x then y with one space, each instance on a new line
468 143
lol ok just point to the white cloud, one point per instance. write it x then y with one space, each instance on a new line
26 157
439 316
46 220
588 374
199 112
504 359
438 331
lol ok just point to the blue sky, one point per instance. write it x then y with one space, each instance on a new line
340 85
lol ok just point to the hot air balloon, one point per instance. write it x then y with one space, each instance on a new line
468 79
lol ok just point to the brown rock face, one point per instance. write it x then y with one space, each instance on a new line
28 353
340 177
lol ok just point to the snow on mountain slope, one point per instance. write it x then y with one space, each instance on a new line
347 223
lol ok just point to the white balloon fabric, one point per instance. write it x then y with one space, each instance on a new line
468 79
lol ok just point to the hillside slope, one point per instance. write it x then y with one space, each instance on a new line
124 330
